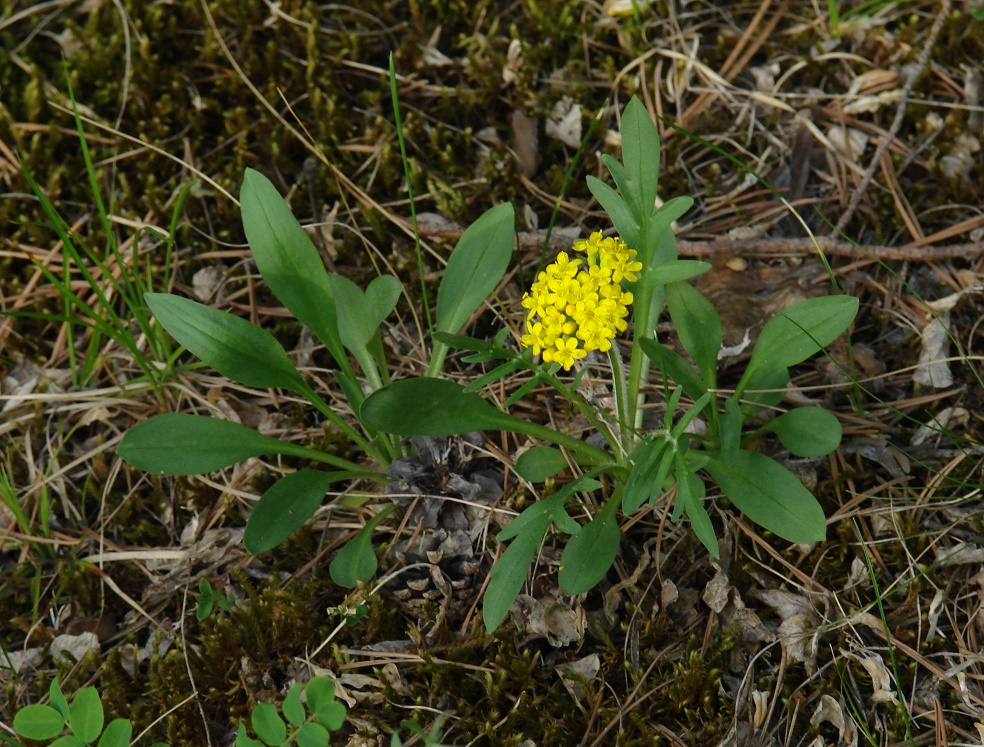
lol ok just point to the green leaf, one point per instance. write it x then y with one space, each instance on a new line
538 463
644 482
474 269
676 270
312 735
690 492
289 261
86 715
729 425
770 495
69 740
268 725
509 572
38 722
183 444
285 506
640 152
357 561
236 348
331 716
292 708
244 740
674 366
430 407
623 220
589 554
803 329
766 388
698 326
625 187
117 733
808 431
57 698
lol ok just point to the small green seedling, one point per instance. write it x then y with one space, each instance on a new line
208 597
305 723
83 718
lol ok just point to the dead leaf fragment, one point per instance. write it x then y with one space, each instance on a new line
564 122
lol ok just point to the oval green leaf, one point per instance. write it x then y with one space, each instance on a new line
770 495
282 509
292 708
117 733
268 725
808 431
234 347
312 735
320 692
38 722
356 561
538 463
86 714
430 407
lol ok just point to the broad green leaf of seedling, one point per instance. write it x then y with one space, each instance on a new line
117 734
770 495
474 269
268 725
236 348
290 263
38 722
86 715
322 704
356 561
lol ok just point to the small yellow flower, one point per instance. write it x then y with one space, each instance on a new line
577 304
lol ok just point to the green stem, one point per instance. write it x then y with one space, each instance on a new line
380 456
625 427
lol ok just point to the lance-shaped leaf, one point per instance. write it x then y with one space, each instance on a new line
183 444
589 554
770 495
640 152
474 269
698 325
234 347
509 572
793 335
289 261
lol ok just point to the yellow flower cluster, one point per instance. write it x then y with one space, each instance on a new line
577 305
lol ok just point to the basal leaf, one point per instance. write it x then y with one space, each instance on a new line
538 463
475 267
382 294
589 554
800 331
234 347
690 492
770 495
808 431
183 444
509 572
766 388
285 506
698 325
430 407
289 261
